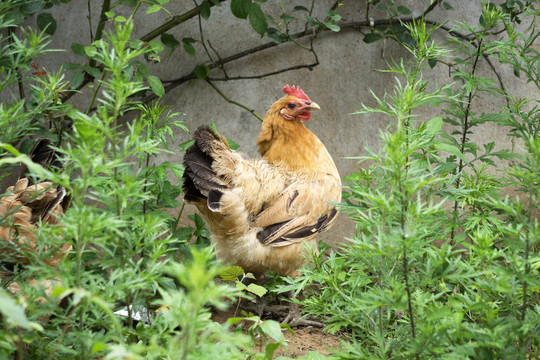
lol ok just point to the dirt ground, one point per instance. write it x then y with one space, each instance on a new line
304 340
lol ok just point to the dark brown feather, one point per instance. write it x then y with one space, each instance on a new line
199 178
268 231
322 223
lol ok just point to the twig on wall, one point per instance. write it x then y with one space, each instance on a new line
232 101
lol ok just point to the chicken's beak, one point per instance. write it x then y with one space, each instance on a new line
314 106
305 110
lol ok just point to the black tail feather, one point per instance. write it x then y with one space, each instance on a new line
199 178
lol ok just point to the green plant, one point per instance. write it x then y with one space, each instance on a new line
236 275
420 279
125 245
269 334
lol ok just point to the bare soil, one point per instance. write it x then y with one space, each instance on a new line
304 340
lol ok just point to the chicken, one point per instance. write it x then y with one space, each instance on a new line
25 205
263 213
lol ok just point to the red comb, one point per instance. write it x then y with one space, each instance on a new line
296 91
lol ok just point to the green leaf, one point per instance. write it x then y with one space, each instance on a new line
13 313
332 26
311 21
371 38
257 19
286 17
90 50
240 286
201 71
156 46
27 146
153 9
99 346
46 22
403 10
257 289
272 329
92 71
434 125
32 7
198 220
69 66
205 10
241 8
185 145
188 47
156 85
270 349
452 150
169 41
300 8
275 35
76 79
517 70
249 276
183 233
407 39
78 49
231 274
233 145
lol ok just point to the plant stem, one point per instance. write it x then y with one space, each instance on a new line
90 19
234 102
178 217
527 267
465 129
102 21
406 263
20 347
408 288
201 33
145 187
176 20
11 33
94 94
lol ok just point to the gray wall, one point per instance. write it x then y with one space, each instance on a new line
339 84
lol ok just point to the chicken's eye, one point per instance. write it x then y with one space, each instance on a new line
291 105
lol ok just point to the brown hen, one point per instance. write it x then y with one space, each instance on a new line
263 213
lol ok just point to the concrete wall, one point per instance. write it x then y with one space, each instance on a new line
340 83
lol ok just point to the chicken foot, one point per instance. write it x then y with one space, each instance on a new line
293 317
290 313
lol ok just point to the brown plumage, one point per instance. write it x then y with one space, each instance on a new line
26 205
263 212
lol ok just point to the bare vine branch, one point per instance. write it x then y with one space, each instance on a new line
308 31
232 101
171 84
176 20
